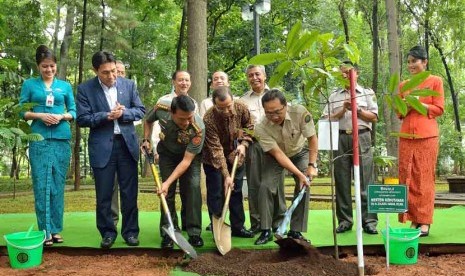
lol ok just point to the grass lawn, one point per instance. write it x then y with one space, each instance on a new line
84 199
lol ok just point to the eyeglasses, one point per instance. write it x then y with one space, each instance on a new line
277 112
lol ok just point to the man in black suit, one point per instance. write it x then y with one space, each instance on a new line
109 105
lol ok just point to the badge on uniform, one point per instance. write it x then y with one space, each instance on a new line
183 137
197 140
50 100
308 118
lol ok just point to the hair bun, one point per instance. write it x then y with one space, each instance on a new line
43 52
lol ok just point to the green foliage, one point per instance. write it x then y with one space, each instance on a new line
411 94
310 56
14 131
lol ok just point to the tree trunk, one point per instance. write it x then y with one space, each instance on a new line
426 32
57 27
102 27
181 38
77 143
14 163
342 12
197 47
392 122
64 59
375 68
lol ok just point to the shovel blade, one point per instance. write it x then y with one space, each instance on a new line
222 235
180 241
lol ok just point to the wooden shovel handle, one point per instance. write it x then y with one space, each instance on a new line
228 194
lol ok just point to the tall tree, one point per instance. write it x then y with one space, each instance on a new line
391 121
197 47
77 143
181 38
343 13
67 38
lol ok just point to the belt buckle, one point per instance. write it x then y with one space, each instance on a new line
349 131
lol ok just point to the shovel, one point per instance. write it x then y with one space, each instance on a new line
279 234
174 234
221 230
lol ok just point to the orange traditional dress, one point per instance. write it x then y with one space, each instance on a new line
418 155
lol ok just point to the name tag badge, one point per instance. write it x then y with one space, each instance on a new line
50 100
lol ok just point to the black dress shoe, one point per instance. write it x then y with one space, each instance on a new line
209 227
107 242
296 235
265 237
255 229
370 229
343 228
132 241
242 233
196 241
167 242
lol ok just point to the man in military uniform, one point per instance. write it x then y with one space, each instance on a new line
288 138
339 109
256 77
224 124
181 140
181 81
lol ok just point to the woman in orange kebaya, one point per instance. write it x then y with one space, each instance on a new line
418 153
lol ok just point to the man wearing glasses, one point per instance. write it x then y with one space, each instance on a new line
288 138
224 139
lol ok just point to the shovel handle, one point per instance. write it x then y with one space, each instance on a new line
156 176
228 194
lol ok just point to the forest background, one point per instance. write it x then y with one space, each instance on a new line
154 38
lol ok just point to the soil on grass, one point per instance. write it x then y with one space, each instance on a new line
72 261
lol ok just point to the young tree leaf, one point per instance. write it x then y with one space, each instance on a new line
403 135
416 104
303 43
279 72
293 35
267 58
399 105
393 83
416 80
424 93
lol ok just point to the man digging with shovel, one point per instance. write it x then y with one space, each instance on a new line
287 136
224 124
181 140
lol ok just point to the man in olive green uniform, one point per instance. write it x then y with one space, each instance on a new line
181 140
367 112
287 136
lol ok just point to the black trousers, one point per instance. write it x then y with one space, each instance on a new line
124 166
216 195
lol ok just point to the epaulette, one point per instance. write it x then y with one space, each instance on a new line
196 127
162 107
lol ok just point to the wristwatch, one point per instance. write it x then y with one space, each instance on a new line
314 165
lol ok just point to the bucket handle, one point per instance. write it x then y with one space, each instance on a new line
405 239
26 247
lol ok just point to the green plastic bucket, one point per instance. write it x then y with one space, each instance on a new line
25 252
403 245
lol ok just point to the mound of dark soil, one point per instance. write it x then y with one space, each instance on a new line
240 262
